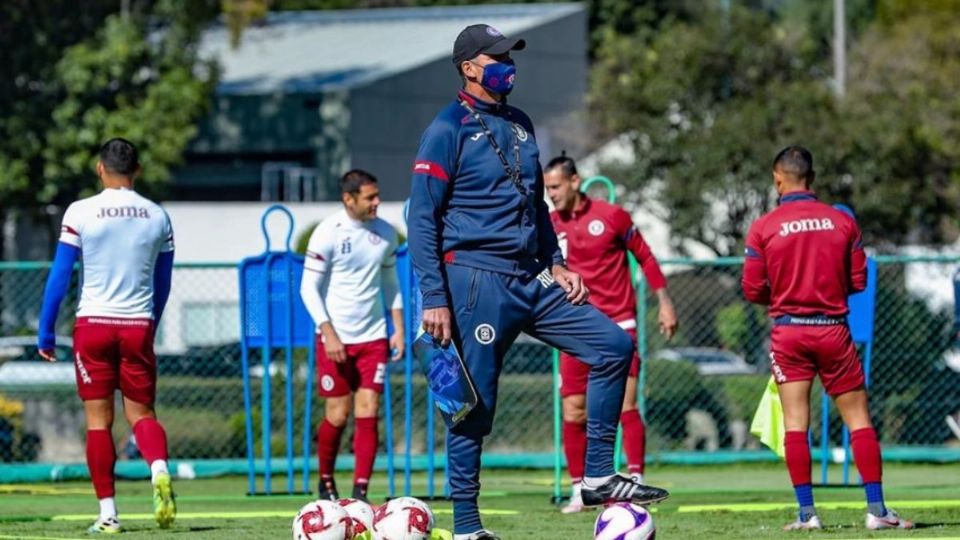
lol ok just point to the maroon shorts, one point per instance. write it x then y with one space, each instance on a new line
574 373
798 353
365 367
109 353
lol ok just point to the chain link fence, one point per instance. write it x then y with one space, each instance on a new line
700 389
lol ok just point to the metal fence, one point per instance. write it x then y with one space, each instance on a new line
700 389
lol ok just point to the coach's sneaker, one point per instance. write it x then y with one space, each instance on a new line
621 488
164 501
482 534
327 490
889 521
576 501
106 525
799 525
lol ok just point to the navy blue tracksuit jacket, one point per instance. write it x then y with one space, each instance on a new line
483 247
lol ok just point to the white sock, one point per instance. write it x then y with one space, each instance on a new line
637 477
596 481
108 508
157 467
575 492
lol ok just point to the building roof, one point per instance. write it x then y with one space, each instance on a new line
315 51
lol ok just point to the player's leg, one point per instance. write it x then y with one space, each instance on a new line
96 368
138 384
371 359
634 432
584 332
843 378
488 316
336 382
794 373
573 386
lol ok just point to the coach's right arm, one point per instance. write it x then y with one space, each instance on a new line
432 172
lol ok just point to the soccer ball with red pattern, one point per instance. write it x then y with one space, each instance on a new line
360 513
322 520
624 521
403 518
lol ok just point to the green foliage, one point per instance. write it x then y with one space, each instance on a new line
135 75
709 100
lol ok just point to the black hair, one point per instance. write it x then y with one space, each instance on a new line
353 180
566 164
120 156
795 160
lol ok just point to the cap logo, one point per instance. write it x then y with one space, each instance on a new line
494 32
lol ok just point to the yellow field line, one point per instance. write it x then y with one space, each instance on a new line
246 515
828 505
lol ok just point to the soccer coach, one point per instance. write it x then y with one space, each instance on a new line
484 248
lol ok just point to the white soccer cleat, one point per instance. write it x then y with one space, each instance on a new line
808 525
889 521
106 525
575 505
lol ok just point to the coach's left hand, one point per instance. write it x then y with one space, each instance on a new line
49 355
571 282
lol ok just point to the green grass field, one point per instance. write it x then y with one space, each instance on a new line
708 502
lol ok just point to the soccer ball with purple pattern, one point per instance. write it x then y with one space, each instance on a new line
624 521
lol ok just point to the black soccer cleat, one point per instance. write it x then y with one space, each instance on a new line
327 490
622 488
360 492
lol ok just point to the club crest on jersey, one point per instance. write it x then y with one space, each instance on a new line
521 133
596 227
374 238
806 225
485 334
345 246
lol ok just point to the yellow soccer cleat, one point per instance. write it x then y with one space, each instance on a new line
164 501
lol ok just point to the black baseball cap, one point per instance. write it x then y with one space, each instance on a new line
479 39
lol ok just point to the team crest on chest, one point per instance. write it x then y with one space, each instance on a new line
521 133
374 238
596 227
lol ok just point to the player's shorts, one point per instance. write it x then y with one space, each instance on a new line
365 367
574 373
111 353
798 353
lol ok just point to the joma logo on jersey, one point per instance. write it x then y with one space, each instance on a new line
123 212
805 225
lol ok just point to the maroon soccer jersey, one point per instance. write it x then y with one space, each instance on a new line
804 258
595 238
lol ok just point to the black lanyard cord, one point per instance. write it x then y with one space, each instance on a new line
513 173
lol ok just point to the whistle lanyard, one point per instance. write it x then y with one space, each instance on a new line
512 173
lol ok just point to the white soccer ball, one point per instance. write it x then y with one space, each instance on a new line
403 518
624 521
361 514
322 520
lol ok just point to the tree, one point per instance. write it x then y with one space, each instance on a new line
710 100
77 74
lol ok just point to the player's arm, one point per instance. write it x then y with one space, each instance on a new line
316 270
393 298
756 286
163 275
858 261
635 243
58 283
433 170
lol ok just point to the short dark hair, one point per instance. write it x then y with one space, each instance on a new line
566 165
796 161
353 180
120 156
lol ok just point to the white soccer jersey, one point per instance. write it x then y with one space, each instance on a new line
349 268
119 234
